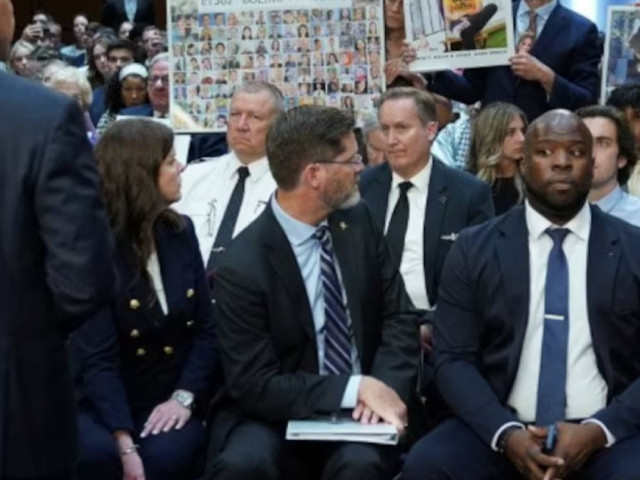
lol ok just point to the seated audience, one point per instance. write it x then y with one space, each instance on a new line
50 68
536 332
627 100
124 29
202 145
76 54
224 195
119 54
126 89
99 70
313 317
452 143
144 379
496 150
614 156
73 83
20 60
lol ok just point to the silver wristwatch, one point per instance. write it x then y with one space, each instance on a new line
184 398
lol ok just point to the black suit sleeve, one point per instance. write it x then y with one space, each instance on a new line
457 341
396 358
94 352
72 221
481 207
201 365
253 374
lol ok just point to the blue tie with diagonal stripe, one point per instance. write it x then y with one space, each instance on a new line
337 331
553 362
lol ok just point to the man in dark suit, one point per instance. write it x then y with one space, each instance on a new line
55 268
313 316
114 12
419 202
537 331
561 71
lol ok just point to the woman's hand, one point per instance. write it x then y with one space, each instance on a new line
398 68
132 467
166 416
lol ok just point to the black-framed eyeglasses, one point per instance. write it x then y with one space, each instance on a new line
354 161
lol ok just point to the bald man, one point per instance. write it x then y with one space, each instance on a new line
536 331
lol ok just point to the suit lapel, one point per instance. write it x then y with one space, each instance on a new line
378 194
284 263
434 215
602 263
513 256
344 246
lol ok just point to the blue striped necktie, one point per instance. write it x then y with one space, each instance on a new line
552 381
337 331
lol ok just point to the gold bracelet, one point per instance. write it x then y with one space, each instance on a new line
132 449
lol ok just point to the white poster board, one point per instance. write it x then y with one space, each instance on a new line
316 52
451 34
621 62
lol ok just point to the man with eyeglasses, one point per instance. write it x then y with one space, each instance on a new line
224 195
313 318
419 202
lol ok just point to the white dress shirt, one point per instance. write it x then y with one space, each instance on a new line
412 264
153 268
207 188
522 17
586 390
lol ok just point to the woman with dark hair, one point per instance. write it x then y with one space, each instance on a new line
126 89
141 372
98 71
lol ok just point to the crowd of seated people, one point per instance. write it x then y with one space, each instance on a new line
469 277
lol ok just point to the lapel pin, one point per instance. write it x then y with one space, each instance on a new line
442 199
343 225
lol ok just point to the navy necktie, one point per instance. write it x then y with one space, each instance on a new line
552 381
337 331
397 229
228 224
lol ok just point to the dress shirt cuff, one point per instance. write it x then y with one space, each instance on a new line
496 437
350 395
610 438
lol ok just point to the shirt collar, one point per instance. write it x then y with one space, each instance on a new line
610 200
543 11
296 231
579 225
256 168
420 180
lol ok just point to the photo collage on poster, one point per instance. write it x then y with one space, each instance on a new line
315 56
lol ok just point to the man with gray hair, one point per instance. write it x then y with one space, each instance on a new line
224 195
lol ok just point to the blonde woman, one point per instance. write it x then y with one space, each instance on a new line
497 143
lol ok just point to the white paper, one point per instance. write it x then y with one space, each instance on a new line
341 430
431 30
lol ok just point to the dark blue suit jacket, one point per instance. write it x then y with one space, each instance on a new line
202 144
483 309
456 200
135 364
568 45
114 13
55 271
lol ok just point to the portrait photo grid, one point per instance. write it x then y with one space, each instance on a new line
315 56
